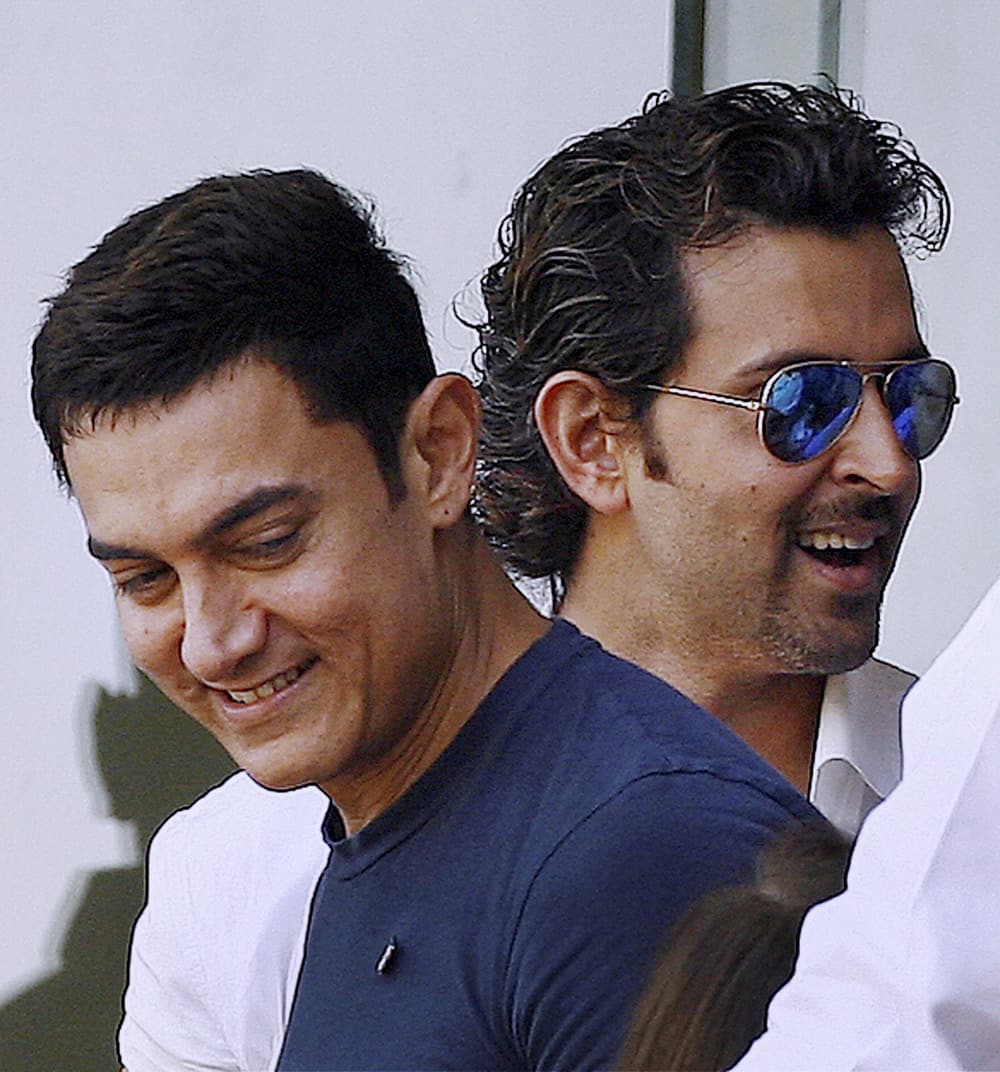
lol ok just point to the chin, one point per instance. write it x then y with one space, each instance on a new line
279 782
837 658
830 643
275 771
825 651
842 662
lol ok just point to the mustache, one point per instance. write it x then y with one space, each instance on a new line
853 507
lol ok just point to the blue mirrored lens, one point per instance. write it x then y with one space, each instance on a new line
807 408
920 399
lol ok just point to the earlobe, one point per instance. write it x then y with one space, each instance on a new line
443 431
581 423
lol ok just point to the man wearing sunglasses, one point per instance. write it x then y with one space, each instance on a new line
706 399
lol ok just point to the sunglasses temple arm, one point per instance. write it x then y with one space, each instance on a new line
705 396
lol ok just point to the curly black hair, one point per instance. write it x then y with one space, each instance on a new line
590 272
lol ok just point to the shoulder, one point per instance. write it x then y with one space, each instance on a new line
238 849
669 836
641 800
216 948
239 861
600 904
624 723
238 843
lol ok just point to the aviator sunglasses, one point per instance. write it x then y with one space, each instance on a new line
805 408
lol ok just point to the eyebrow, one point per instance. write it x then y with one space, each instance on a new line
774 362
257 502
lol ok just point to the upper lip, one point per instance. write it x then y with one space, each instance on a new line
861 518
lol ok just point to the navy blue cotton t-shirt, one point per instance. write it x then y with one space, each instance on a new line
504 913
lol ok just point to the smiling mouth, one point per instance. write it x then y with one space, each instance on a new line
837 549
272 686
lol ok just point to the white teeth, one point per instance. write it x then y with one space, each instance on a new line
269 688
834 541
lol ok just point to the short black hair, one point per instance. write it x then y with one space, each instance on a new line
286 265
590 268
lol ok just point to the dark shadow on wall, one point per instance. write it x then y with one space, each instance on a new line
153 760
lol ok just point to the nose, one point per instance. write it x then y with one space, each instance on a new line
221 630
870 452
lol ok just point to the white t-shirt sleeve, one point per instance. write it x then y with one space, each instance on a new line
216 952
170 1024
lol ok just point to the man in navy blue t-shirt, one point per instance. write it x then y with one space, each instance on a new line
502 913
237 388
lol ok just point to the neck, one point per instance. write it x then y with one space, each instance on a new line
490 625
776 713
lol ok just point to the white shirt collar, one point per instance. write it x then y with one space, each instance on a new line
857 761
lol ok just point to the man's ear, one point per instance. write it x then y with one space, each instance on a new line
581 424
442 431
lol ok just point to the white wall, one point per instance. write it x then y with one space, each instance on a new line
748 39
936 75
437 109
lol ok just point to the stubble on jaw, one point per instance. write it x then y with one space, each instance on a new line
796 647
803 645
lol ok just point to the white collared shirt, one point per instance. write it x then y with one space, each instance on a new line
902 971
857 761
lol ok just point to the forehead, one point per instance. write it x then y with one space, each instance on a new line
776 295
171 465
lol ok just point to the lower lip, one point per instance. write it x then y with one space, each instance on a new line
864 577
245 716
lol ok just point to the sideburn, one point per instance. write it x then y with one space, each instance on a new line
654 460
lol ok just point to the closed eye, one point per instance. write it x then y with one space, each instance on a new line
274 549
142 585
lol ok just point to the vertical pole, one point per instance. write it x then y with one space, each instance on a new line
689 47
829 39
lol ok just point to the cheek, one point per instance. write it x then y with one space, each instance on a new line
326 609
152 641
322 589
379 574
751 518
